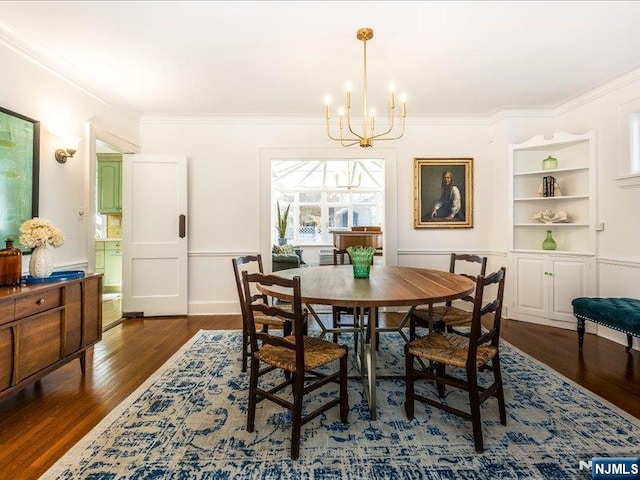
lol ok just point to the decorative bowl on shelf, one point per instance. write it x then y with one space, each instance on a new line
551 216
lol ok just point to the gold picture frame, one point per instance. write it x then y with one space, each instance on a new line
443 193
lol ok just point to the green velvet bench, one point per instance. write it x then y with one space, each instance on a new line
622 314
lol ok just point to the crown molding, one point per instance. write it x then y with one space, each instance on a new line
40 55
510 113
36 53
595 93
229 120
292 120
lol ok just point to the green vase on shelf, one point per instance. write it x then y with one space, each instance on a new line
549 243
549 163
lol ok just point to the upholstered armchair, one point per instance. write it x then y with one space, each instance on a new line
284 257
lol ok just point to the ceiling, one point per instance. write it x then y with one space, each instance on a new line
266 58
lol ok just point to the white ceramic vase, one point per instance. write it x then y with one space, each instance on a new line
41 262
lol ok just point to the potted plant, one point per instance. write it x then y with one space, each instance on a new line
281 225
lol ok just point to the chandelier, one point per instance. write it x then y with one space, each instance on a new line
368 135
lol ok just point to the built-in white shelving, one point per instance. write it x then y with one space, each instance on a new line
575 179
546 281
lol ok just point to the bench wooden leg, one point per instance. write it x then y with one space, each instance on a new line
580 332
629 342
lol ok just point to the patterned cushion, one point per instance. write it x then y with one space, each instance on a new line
316 353
619 313
450 349
285 249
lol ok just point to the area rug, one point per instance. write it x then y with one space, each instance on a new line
188 421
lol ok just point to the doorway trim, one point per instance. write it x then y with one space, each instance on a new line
387 155
95 133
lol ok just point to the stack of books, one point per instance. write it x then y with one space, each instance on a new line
548 186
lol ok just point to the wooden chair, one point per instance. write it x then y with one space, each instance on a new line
341 257
255 262
297 354
477 352
447 316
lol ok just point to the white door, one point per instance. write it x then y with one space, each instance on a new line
154 263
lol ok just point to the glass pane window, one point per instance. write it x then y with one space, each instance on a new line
327 195
635 142
339 218
365 215
338 197
308 197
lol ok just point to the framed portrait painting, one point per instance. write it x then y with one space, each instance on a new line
19 173
443 193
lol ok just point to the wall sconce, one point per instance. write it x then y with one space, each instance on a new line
62 154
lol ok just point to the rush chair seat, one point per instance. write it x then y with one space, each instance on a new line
298 355
477 352
253 262
447 317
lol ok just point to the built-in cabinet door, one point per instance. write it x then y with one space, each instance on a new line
569 278
109 187
531 287
545 285
99 257
112 268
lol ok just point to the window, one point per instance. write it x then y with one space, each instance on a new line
327 195
629 144
634 141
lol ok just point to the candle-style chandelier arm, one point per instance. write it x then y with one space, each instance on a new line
341 139
389 131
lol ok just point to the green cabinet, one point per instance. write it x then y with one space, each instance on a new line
109 263
99 257
112 264
109 183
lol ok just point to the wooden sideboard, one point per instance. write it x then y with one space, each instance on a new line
44 326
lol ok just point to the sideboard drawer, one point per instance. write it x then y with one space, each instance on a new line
7 311
39 302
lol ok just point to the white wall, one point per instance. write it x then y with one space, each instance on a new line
224 190
618 204
224 176
62 109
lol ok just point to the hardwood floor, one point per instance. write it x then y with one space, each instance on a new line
40 423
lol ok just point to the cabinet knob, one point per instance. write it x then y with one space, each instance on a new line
40 302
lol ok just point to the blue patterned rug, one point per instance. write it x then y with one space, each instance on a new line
188 422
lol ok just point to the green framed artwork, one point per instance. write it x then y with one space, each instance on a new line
19 173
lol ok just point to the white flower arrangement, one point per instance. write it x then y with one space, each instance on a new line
38 232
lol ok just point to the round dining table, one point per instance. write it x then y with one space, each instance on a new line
387 286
